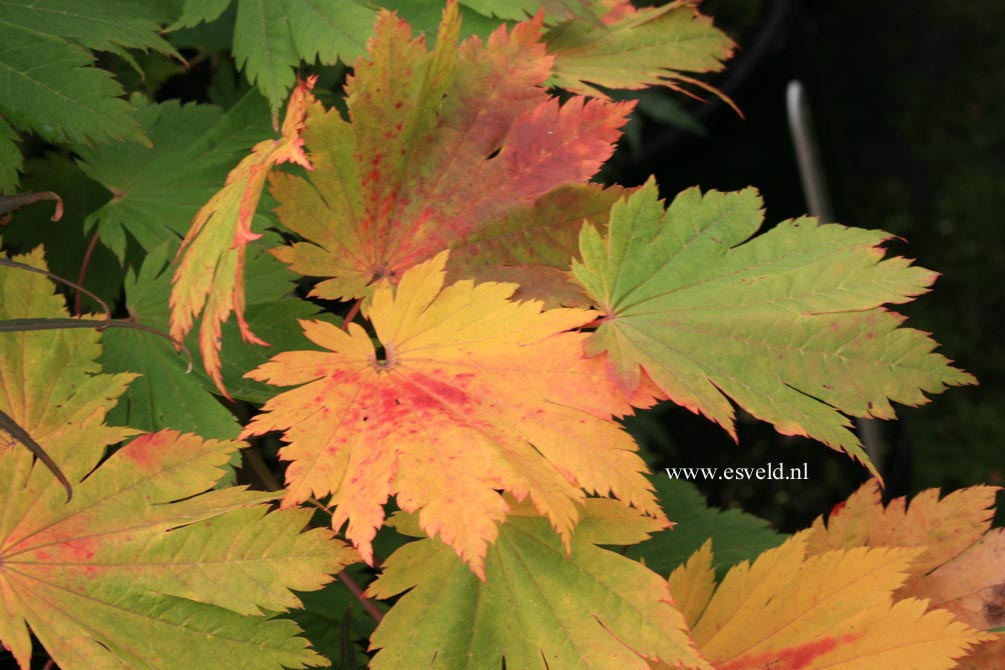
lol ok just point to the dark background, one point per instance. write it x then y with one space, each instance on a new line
907 100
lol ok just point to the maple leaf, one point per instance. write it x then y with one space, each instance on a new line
272 37
944 528
448 149
473 393
554 10
169 394
788 324
157 190
11 161
166 395
962 564
211 269
538 608
634 48
972 586
138 569
48 83
788 611
737 536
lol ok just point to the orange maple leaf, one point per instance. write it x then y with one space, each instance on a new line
211 269
473 394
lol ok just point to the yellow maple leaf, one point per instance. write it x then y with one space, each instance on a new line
472 394
790 611
211 269
961 567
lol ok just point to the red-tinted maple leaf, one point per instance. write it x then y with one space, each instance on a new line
444 149
211 271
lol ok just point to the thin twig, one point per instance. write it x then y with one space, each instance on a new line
83 273
12 428
353 311
100 325
9 203
6 262
367 604
257 464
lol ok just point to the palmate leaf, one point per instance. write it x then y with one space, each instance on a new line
47 81
473 393
166 395
834 611
103 25
11 161
737 536
272 37
634 48
541 606
157 190
961 567
210 273
457 148
138 570
122 578
788 324
554 10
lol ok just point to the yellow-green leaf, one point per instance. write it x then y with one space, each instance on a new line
141 568
541 606
789 324
635 48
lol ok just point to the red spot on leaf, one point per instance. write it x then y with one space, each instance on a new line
144 451
796 657
79 550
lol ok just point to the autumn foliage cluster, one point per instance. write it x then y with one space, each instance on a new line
459 491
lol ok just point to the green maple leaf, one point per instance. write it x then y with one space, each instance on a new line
737 536
48 83
554 10
166 395
141 569
539 607
104 25
272 37
789 324
11 161
157 190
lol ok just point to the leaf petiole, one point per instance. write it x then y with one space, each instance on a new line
11 427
